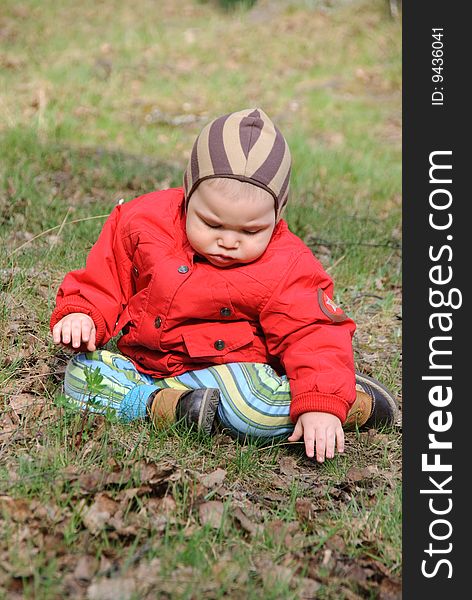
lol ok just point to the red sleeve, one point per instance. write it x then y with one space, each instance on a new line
312 338
100 290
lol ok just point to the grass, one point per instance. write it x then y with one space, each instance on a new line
102 102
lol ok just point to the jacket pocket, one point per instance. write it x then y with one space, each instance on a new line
217 339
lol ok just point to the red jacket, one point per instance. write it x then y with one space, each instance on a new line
178 313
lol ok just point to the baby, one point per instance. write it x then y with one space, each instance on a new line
227 318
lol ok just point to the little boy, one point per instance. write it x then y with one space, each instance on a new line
227 318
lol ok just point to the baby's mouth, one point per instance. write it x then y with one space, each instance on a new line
223 258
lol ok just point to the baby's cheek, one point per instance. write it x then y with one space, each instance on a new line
262 246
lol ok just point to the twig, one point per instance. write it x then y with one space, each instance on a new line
336 263
60 229
14 251
276 445
321 242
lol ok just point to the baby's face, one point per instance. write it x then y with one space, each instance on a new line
229 231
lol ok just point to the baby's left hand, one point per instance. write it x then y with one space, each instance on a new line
322 430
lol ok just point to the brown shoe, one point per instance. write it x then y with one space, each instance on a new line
193 407
374 405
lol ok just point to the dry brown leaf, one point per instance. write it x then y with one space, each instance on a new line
304 509
157 523
272 574
167 505
307 588
17 509
278 482
211 513
117 522
226 569
118 588
281 531
160 506
246 523
288 466
358 474
213 479
147 575
336 543
119 477
155 474
85 568
99 479
390 589
92 481
48 512
8 430
26 403
98 515
125 496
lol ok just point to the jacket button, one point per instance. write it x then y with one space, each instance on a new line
225 312
157 322
219 344
135 271
183 269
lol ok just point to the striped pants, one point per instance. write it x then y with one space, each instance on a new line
255 401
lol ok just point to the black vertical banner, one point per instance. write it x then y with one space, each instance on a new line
437 331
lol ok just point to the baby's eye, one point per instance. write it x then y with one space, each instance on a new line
211 225
251 232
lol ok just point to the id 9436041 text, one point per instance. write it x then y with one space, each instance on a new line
437 66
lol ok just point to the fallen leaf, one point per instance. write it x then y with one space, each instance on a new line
129 525
125 496
390 589
288 466
154 474
161 506
211 513
168 505
279 574
98 515
272 574
226 569
337 543
147 575
358 474
17 509
25 403
85 568
307 588
213 479
278 482
304 509
281 531
7 431
246 523
118 588
92 481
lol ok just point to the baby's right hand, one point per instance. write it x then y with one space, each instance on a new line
74 330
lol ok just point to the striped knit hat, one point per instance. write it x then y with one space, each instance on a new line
244 145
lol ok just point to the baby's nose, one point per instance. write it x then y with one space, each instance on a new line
228 240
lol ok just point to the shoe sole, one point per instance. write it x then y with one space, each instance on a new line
390 407
206 417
